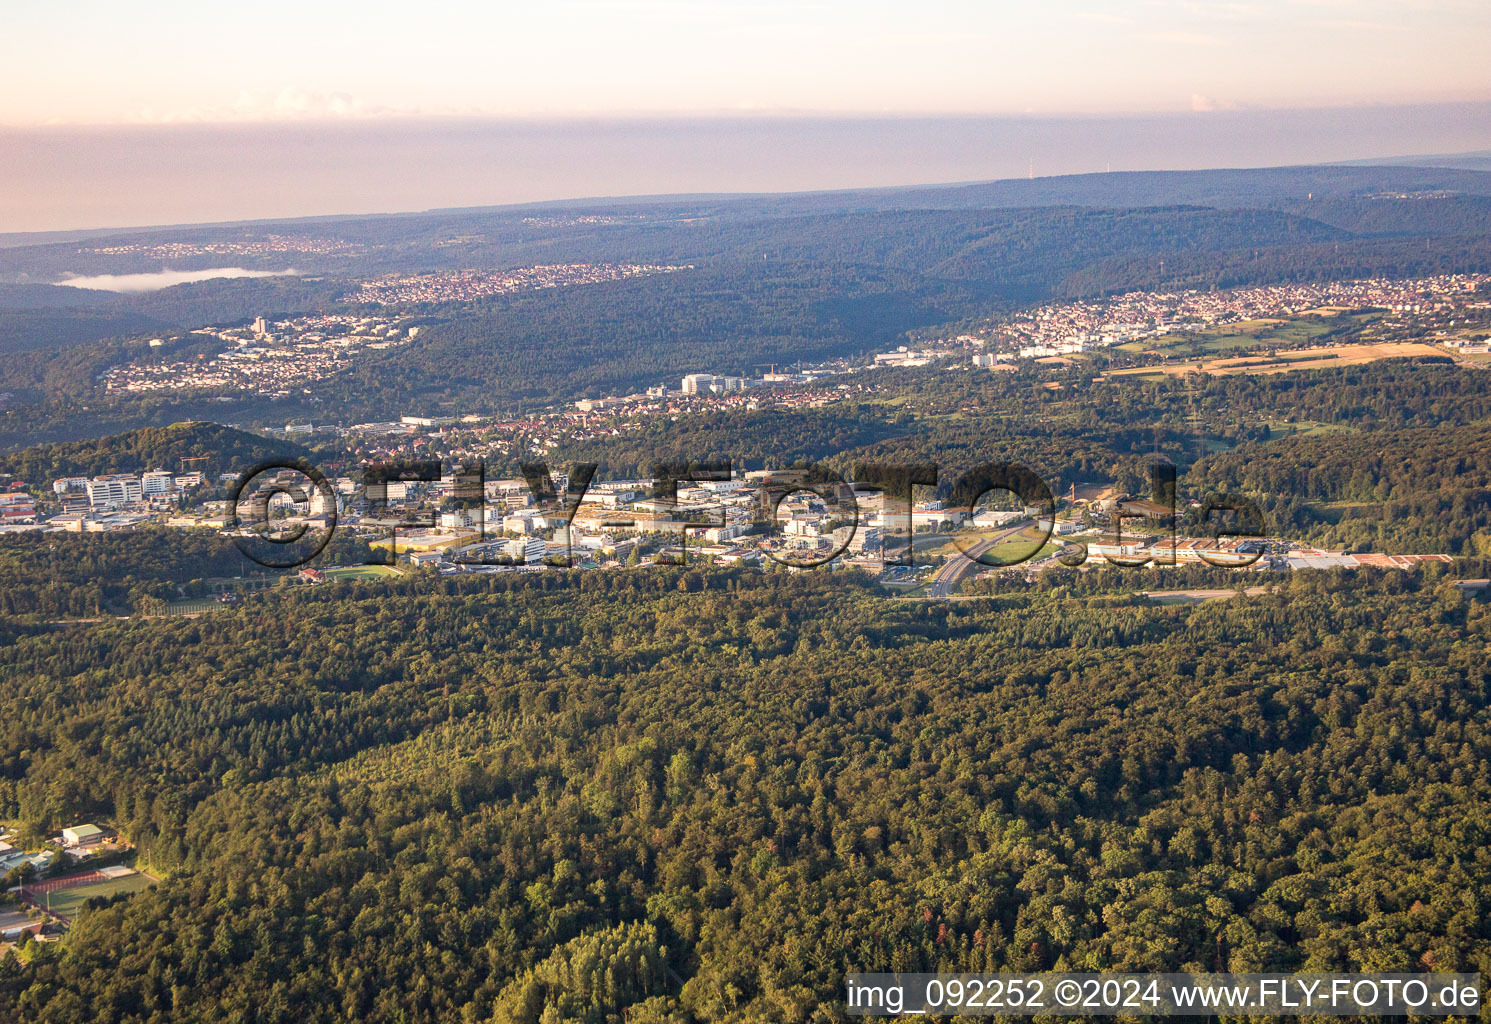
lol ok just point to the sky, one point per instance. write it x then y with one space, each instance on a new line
117 62
124 113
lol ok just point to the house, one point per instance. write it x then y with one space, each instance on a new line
82 835
14 927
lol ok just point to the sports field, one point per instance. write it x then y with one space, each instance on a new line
359 572
67 902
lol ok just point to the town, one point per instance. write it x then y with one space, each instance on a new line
460 523
1071 328
421 525
471 285
270 245
271 359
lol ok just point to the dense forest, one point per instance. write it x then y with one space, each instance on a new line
668 226
88 575
212 447
546 346
70 576
1373 490
706 796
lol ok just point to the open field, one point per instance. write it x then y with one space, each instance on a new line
1227 337
359 572
1335 511
1029 543
1019 551
1198 596
1307 428
193 606
1283 362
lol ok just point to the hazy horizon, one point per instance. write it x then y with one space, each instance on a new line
50 178
106 63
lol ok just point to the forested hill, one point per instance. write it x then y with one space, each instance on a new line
679 797
220 449
1369 200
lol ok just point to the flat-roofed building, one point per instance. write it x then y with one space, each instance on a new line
114 489
82 835
527 550
157 481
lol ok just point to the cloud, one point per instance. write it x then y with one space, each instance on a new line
1207 104
289 103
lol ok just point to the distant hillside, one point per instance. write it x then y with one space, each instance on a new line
776 279
135 451
50 329
1233 188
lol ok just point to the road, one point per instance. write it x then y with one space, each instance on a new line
1197 596
957 568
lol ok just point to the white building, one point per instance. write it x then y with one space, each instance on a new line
935 517
527 550
699 383
157 481
522 522
458 519
994 517
70 483
114 489
857 538
82 835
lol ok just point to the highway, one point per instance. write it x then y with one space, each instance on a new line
957 568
